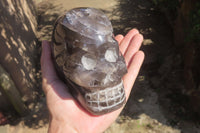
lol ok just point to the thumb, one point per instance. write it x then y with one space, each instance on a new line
48 71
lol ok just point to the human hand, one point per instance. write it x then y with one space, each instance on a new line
66 115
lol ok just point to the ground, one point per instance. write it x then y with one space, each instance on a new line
150 108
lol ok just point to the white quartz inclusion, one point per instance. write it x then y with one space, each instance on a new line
88 62
111 55
88 21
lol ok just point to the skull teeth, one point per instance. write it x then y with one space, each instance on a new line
105 99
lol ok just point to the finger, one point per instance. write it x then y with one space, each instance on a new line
119 38
48 70
47 67
133 71
125 42
133 47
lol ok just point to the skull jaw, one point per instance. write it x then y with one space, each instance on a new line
100 102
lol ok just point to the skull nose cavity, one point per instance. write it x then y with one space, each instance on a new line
89 62
111 55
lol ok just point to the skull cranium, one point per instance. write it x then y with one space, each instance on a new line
87 56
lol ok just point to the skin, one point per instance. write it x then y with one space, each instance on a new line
65 113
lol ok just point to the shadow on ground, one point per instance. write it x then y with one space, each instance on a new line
158 41
162 68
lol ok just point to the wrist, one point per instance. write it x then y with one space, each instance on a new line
56 126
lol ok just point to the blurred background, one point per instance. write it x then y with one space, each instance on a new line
166 95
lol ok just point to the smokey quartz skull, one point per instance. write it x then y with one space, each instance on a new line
88 59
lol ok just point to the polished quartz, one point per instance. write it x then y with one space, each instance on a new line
88 59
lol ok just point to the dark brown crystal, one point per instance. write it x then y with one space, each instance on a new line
88 59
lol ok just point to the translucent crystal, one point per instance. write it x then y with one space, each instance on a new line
87 58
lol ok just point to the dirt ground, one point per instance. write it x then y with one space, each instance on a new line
150 108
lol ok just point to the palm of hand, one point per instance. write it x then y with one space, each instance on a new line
64 108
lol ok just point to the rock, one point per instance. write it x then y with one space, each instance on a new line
87 56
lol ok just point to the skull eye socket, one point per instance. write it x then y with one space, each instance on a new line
89 61
111 55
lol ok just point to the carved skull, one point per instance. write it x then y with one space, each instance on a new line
87 57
